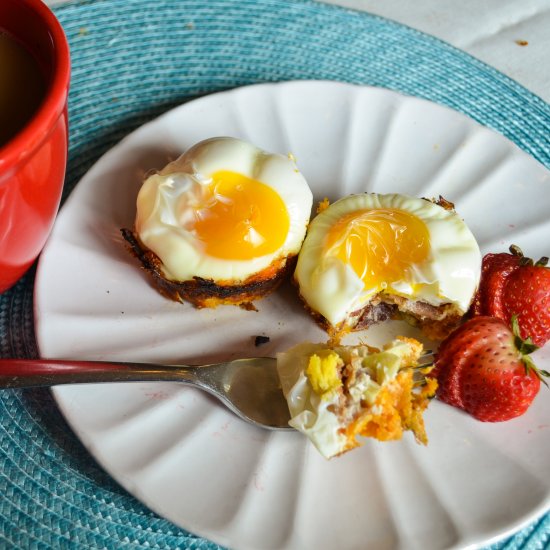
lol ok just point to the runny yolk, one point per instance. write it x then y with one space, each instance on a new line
241 218
380 245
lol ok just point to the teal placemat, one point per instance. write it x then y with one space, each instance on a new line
133 60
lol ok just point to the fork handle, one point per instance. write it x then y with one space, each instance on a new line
32 373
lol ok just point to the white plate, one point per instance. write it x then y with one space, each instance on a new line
193 462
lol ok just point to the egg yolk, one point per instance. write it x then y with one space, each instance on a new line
380 245
240 218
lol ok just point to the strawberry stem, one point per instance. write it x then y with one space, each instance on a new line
524 261
516 250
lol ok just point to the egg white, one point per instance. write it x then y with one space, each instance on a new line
159 218
309 414
450 274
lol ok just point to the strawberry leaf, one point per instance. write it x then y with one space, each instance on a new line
530 366
524 346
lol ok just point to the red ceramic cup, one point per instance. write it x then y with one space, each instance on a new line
33 161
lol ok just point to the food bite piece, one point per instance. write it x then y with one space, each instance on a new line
222 224
372 257
337 393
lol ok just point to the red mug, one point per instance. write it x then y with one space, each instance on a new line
33 160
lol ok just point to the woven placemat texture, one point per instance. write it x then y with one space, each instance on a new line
133 60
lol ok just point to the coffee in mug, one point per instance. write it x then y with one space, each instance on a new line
22 87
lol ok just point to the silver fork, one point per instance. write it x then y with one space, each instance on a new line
248 387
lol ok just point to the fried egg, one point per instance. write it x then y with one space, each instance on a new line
371 248
223 211
336 394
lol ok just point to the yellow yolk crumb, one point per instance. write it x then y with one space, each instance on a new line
323 205
323 373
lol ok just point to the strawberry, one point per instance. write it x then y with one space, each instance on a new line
527 296
512 284
484 368
495 270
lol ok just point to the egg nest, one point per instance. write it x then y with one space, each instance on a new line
435 322
206 292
